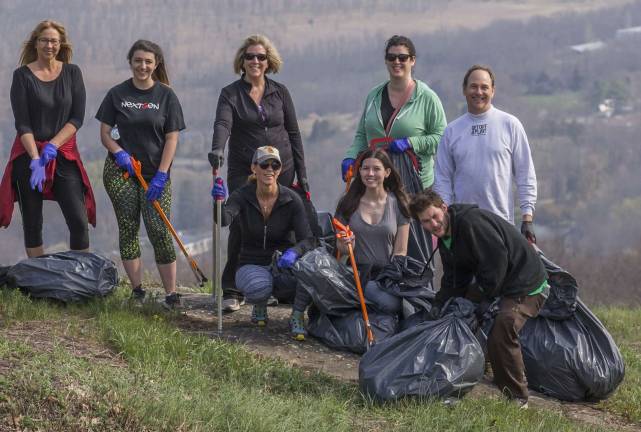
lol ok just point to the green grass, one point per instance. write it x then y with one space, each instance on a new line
162 379
625 327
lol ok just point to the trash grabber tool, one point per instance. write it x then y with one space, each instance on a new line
344 231
217 281
200 276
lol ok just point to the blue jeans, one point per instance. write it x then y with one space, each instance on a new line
382 300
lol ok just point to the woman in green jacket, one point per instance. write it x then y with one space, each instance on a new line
404 116
404 109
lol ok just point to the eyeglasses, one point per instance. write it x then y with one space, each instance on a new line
45 41
251 56
270 163
401 57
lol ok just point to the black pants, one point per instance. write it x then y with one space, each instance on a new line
68 191
235 236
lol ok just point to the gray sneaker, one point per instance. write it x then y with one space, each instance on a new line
231 304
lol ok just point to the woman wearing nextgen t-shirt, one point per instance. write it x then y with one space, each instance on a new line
148 117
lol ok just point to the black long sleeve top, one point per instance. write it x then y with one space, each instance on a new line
262 237
44 107
248 126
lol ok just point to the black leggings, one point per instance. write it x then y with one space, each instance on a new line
68 191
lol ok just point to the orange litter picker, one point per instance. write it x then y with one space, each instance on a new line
200 276
341 232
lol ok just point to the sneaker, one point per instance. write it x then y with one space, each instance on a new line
297 326
521 403
172 301
138 293
259 315
232 304
272 301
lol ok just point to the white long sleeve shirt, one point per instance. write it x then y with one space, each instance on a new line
478 157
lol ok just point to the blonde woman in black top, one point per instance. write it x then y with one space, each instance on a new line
252 112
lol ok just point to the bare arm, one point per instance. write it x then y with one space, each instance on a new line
168 153
106 139
400 241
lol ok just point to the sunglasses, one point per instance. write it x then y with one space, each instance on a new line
251 56
270 163
401 57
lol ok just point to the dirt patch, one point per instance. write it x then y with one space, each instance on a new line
45 336
274 341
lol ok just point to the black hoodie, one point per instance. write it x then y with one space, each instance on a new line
260 237
487 247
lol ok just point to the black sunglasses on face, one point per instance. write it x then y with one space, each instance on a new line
270 163
401 57
251 56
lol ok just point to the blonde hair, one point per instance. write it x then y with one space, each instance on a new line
29 53
274 62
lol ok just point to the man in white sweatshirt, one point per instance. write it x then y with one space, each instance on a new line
482 152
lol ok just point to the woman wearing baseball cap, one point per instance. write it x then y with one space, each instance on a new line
267 212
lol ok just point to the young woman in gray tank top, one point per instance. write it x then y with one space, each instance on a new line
375 207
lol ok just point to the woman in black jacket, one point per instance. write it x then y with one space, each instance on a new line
266 214
254 111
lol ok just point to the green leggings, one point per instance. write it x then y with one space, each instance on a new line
128 200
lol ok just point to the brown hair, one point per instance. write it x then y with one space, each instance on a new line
478 67
274 61
350 201
397 40
29 53
422 200
160 73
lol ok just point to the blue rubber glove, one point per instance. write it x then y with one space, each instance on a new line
287 259
400 145
38 174
123 160
49 153
156 186
345 166
219 191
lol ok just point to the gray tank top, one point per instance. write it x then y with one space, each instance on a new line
375 243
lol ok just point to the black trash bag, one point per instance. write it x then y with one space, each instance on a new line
434 359
3 275
348 332
329 283
561 301
66 276
571 360
457 306
409 279
419 244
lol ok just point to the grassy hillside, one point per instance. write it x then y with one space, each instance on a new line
109 367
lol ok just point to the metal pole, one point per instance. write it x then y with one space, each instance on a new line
217 277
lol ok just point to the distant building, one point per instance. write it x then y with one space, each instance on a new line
627 32
588 47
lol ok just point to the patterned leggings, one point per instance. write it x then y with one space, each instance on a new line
128 200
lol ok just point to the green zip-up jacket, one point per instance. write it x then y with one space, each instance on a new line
421 119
